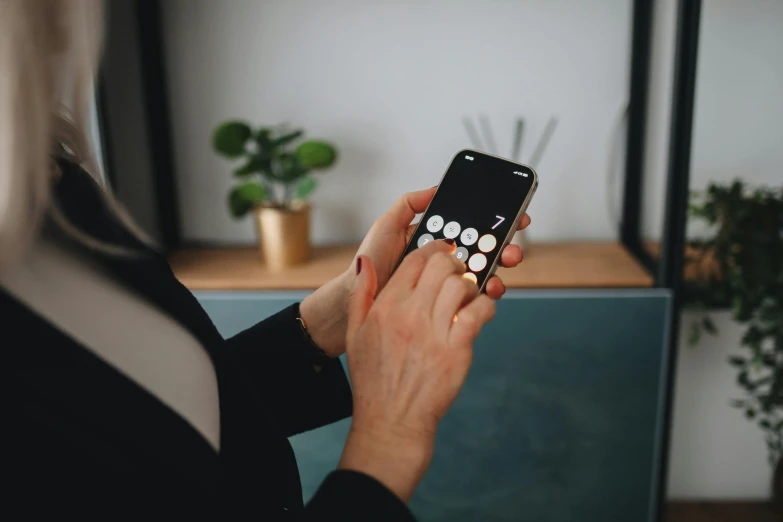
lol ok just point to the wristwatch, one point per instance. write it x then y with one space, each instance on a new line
317 355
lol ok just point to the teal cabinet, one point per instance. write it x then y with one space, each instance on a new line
559 420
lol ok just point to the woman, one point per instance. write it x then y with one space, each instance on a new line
122 396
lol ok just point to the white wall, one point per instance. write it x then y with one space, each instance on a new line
739 106
737 132
389 81
658 118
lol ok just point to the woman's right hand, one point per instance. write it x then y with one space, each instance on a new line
408 352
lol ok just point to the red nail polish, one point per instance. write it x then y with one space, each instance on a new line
448 241
358 265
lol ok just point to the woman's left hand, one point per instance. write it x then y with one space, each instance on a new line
325 310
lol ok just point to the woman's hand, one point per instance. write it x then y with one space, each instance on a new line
408 354
325 311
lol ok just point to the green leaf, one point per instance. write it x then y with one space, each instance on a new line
316 154
285 139
738 362
695 210
252 166
305 187
750 413
743 311
229 138
708 325
264 139
694 334
244 198
753 335
292 169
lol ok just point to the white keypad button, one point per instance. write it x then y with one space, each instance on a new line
469 236
424 239
487 243
451 230
434 224
477 262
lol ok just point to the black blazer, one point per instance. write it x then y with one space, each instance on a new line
87 440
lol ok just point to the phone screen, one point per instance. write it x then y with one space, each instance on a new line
476 204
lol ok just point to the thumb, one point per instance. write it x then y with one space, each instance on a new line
362 294
408 205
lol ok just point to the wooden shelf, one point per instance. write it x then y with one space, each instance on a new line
546 265
726 511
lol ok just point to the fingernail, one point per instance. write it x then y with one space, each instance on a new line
448 241
434 186
358 265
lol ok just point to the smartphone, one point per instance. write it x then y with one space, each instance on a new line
479 203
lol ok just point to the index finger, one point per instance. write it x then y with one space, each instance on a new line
407 274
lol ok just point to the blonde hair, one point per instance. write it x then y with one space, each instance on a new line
49 51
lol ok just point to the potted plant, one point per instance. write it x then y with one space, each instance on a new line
741 266
273 181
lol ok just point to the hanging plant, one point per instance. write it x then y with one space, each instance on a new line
741 267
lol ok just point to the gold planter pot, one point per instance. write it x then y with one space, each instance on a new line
284 234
